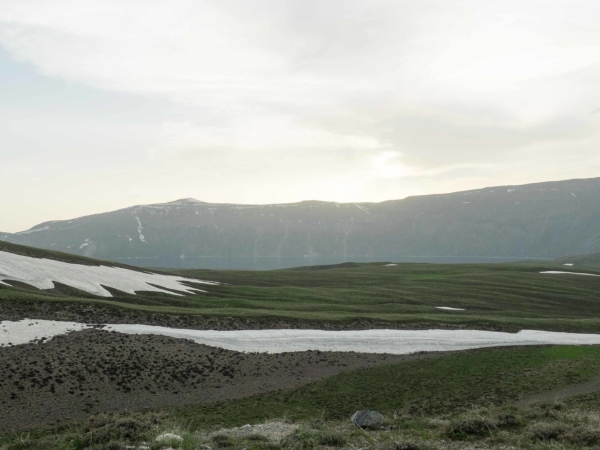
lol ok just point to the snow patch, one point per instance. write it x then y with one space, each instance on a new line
86 243
25 331
42 273
448 308
569 264
397 342
139 229
390 265
362 208
556 272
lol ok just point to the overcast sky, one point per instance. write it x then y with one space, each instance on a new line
110 103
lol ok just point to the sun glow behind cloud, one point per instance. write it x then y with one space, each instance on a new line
389 165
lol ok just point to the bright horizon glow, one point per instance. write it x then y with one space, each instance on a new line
108 104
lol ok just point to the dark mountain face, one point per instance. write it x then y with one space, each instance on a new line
546 220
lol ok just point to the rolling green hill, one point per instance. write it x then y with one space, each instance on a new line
582 261
493 296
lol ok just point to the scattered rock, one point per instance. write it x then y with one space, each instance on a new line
367 419
168 437
273 431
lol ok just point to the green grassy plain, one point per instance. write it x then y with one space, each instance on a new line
495 296
506 296
443 385
446 389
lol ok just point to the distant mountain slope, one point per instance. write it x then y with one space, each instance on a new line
35 252
544 220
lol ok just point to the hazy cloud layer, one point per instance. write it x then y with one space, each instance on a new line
282 100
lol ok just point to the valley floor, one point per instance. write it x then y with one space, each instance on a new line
100 389
92 371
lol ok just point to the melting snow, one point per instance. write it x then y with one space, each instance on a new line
448 308
556 272
397 342
390 265
86 243
41 273
25 331
362 208
568 264
140 228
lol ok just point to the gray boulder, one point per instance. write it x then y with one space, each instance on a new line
367 419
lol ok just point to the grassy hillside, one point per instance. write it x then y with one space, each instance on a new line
507 296
34 252
583 261
503 297
463 397
444 385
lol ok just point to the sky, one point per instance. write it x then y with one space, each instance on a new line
112 103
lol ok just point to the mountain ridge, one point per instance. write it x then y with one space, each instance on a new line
541 220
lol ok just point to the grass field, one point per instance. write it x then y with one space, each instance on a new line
457 398
444 385
502 297
445 397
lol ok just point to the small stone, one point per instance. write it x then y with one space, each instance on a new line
168 437
367 419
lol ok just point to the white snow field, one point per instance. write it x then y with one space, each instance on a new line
396 342
42 273
24 331
556 272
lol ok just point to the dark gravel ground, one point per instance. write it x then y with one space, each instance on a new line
73 376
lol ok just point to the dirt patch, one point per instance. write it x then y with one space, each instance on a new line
572 390
93 371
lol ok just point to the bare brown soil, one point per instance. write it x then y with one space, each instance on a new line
83 373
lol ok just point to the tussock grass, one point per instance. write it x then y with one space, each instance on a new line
488 428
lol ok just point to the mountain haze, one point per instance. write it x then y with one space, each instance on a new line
544 220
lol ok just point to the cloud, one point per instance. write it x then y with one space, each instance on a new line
386 96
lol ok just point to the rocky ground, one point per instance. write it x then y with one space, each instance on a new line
92 371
